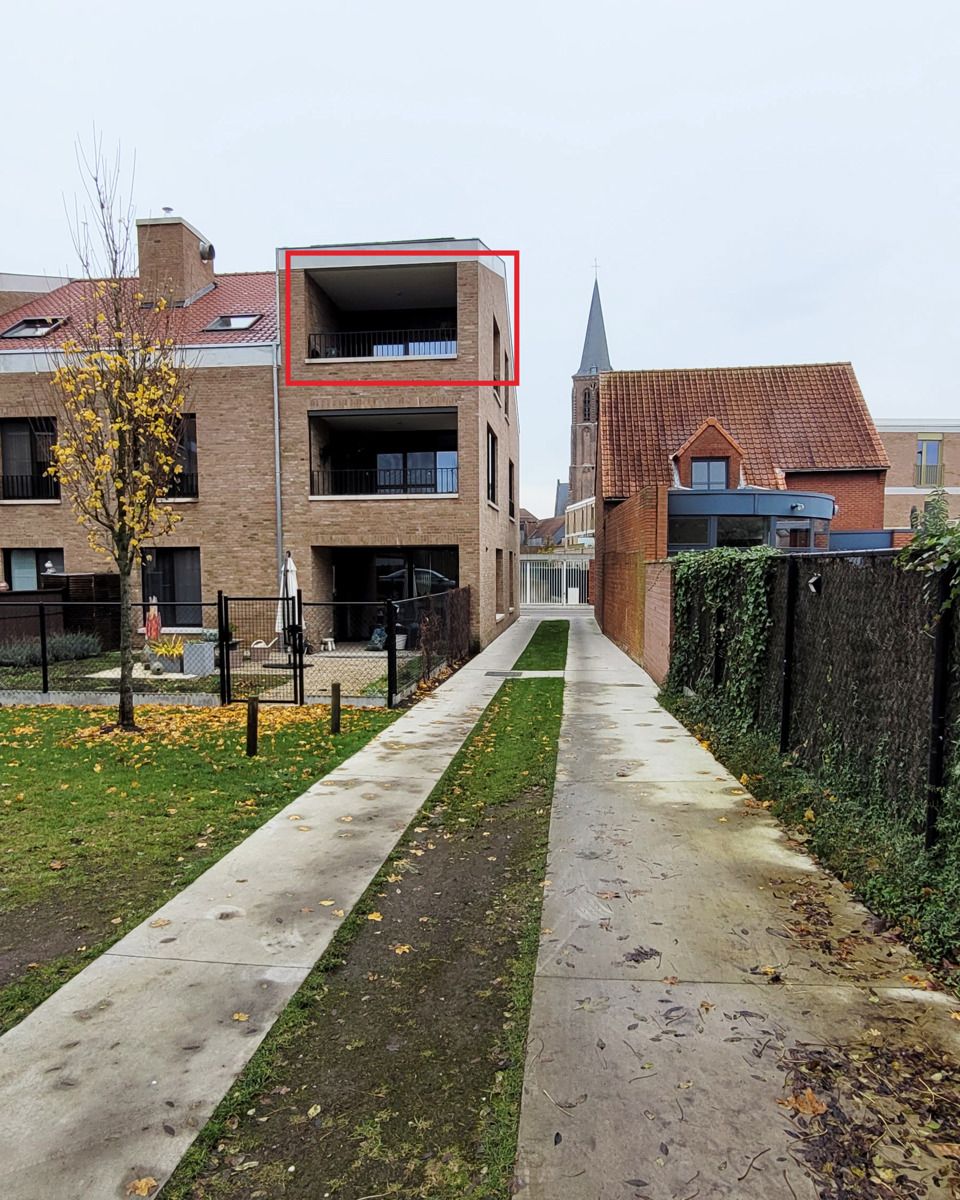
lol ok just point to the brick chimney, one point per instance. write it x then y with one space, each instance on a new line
176 260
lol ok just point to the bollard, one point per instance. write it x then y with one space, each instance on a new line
253 722
334 707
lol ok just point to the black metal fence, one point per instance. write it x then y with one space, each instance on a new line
859 677
379 481
383 343
275 649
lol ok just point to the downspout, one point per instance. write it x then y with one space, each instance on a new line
278 497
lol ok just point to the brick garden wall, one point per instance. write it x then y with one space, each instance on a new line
657 619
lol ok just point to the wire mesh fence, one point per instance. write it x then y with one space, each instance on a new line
847 682
274 649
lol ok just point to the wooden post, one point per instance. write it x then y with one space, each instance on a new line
253 726
334 707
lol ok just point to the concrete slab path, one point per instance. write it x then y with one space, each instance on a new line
111 1079
689 950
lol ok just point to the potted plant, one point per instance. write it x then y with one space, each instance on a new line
198 656
168 652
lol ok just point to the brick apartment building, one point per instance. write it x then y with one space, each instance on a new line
923 455
689 459
378 491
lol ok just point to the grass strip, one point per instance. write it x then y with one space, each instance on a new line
97 830
397 1068
547 649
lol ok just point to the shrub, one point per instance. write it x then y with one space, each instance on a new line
61 647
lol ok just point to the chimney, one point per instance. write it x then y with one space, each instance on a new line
176 260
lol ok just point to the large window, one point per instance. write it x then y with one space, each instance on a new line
417 471
491 466
688 533
742 531
929 465
420 572
171 577
511 488
23 568
185 485
25 459
709 474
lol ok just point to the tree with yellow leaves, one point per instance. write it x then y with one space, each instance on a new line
120 383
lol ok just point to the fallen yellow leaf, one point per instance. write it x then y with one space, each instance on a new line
402 949
374 916
946 1149
806 1103
241 1016
327 903
809 815
57 864
142 1187
159 923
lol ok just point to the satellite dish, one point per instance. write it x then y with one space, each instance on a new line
167 211
207 252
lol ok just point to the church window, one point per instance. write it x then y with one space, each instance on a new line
587 405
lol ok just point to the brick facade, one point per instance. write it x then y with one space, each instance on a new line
658 620
901 447
234 520
710 442
859 495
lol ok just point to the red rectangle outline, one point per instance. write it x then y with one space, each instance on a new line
353 253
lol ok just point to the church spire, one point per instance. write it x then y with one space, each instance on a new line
595 357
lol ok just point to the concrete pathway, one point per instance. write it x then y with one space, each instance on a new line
112 1078
689 950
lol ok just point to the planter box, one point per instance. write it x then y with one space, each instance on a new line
171 666
198 658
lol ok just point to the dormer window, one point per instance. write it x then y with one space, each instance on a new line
33 327
709 474
233 321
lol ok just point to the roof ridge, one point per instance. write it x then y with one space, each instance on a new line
742 367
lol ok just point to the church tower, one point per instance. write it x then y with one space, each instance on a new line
585 400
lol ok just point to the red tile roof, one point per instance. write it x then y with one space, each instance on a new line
244 293
792 418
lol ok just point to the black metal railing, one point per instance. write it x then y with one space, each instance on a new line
928 475
383 343
39 486
374 481
184 486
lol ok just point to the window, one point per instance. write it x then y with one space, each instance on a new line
709 474
172 577
512 583
510 487
237 321
929 465
586 405
497 356
184 485
506 390
500 609
683 532
33 327
792 533
25 459
491 466
421 471
22 568
741 531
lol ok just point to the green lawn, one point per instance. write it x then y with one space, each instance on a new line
396 1070
98 829
547 649
73 676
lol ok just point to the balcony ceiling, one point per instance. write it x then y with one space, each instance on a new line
358 289
384 419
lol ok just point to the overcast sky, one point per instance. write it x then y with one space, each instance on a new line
761 181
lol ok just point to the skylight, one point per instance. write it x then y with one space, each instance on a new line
234 321
33 327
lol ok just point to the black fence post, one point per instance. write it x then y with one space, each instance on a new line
299 642
223 640
938 709
44 663
253 727
786 666
391 617
334 707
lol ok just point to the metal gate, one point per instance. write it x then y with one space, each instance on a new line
261 648
554 579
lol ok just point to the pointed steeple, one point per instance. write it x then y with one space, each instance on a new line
595 357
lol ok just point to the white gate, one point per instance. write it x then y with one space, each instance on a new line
553 579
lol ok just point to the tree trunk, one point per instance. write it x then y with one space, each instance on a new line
125 715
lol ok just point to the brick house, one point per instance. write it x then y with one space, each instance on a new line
377 491
688 459
923 455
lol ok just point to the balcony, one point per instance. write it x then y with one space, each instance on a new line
437 342
928 475
38 486
375 481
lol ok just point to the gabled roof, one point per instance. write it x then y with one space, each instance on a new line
527 515
595 357
709 423
244 293
562 498
790 418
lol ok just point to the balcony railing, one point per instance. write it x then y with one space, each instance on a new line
375 482
383 343
928 475
29 487
184 486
